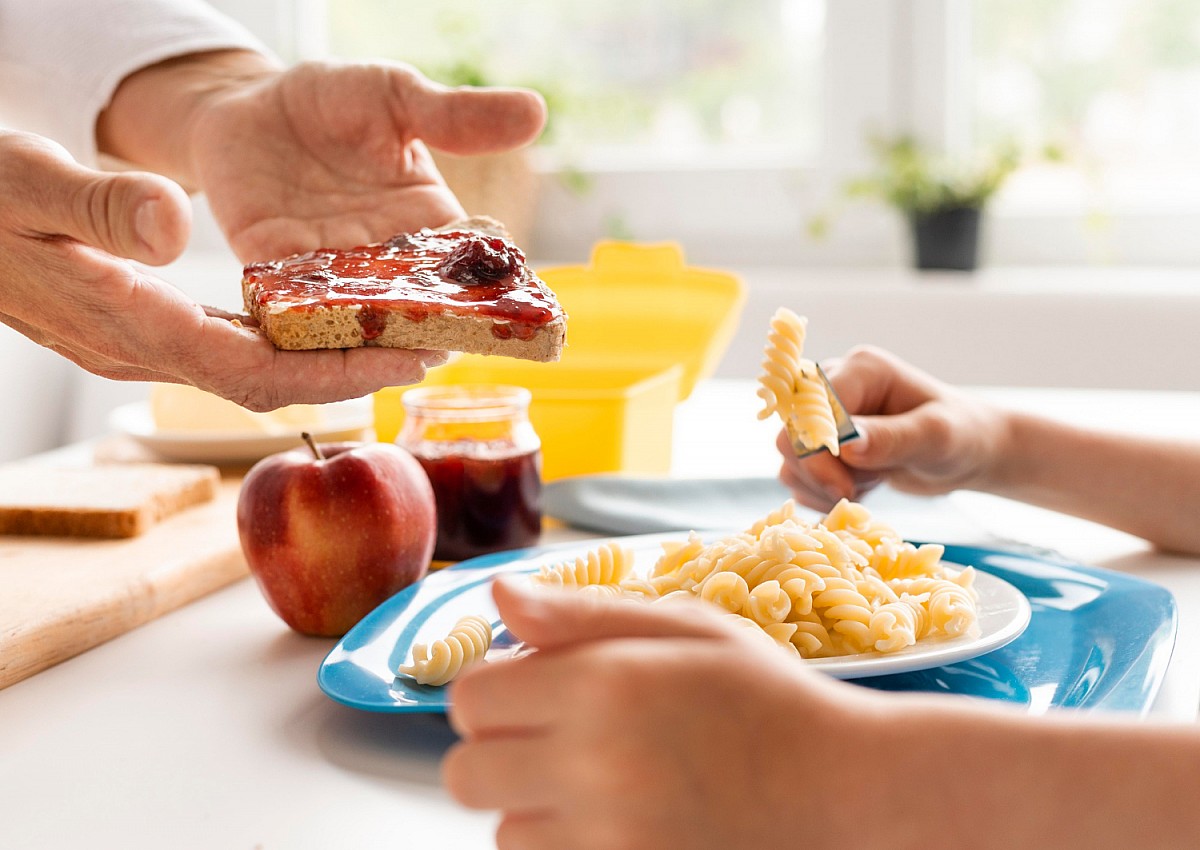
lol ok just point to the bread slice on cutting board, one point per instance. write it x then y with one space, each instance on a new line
109 500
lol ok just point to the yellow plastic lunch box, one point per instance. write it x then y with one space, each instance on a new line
643 328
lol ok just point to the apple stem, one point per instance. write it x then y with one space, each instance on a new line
316 450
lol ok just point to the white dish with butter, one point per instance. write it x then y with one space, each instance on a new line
241 439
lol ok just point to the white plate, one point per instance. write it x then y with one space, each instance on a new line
360 671
1004 613
350 420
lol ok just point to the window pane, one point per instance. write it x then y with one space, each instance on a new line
672 77
1118 81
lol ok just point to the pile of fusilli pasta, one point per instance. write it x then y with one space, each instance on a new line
844 585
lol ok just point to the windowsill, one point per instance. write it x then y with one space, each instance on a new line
1135 282
1070 326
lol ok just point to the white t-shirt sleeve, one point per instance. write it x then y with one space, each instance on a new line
62 60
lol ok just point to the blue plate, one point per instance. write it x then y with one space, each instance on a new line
1095 639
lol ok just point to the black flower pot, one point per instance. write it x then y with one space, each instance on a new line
947 238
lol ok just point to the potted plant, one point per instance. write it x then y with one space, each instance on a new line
942 197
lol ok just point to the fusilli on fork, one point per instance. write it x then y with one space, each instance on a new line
792 387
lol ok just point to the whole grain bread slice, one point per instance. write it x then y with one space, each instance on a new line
108 500
341 325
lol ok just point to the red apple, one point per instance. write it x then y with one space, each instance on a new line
329 533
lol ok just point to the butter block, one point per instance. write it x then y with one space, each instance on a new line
179 408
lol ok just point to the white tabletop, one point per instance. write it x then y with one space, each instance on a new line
205 728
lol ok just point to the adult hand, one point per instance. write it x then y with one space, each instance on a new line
915 432
327 154
67 236
652 726
319 155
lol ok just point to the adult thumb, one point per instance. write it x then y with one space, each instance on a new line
132 214
549 618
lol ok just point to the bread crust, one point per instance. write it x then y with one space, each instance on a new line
309 327
339 327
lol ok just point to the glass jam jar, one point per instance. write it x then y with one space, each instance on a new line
485 463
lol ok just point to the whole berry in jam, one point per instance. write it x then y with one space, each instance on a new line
482 260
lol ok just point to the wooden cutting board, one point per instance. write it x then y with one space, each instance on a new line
60 597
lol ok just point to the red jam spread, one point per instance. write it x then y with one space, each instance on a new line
489 497
458 272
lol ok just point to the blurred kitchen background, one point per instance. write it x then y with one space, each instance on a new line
743 131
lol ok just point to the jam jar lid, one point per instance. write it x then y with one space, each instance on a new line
467 402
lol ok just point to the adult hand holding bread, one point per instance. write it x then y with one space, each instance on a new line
315 156
69 237
66 235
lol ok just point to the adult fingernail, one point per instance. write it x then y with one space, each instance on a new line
145 223
434 358
521 586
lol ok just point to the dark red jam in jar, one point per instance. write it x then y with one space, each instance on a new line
485 463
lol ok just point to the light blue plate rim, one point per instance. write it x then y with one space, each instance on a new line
1096 640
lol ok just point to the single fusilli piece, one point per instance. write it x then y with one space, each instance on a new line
785 512
812 418
791 386
607 564
857 523
781 363
895 625
768 603
952 604
438 662
897 559
726 589
677 554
